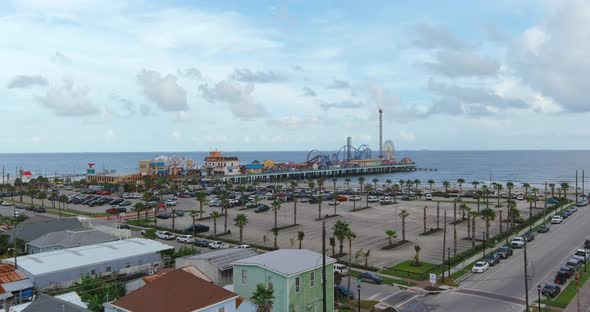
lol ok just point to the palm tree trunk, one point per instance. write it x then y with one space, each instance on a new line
214 227
225 221
294 210
403 228
473 233
241 233
468 225
349 258
193 216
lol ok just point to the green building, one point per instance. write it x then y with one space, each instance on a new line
295 275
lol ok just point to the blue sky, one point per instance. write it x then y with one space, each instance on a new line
105 75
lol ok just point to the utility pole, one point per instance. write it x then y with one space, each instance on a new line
576 186
583 190
454 239
526 279
545 204
444 243
324 282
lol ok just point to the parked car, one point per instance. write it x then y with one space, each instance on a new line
583 253
341 198
170 203
574 263
186 239
556 219
165 235
552 201
340 269
201 242
243 246
386 200
333 203
6 203
17 214
199 228
492 259
163 215
178 213
343 291
123 226
569 270
125 203
529 236
480 267
354 198
39 209
517 242
587 243
561 277
373 199
504 252
370 277
551 290
428 196
261 208
218 245
543 229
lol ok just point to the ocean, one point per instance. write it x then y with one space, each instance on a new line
534 167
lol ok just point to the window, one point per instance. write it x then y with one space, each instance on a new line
93 272
312 279
244 276
108 269
222 309
269 282
297 284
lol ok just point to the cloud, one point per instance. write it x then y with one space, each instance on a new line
237 96
176 135
294 122
470 100
393 109
145 110
406 135
246 75
307 91
190 73
463 64
340 105
552 57
24 81
164 91
60 59
183 116
109 135
297 68
339 84
66 100
496 35
430 37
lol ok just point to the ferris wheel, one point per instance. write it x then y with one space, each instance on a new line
389 150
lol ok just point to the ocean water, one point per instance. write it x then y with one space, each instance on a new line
534 167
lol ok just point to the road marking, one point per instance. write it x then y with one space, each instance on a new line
374 296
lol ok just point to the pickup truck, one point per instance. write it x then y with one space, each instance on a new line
217 245
165 235
517 242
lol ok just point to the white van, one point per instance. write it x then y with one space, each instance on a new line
341 269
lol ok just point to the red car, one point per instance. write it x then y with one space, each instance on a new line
103 193
112 211
341 198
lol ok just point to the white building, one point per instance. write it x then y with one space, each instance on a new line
218 165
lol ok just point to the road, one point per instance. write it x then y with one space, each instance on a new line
502 288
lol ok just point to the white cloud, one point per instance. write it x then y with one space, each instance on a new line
24 81
164 91
109 135
462 64
67 100
294 122
238 96
60 59
247 75
406 135
183 116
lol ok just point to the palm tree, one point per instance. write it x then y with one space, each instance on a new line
193 215
391 235
350 236
486 192
42 195
138 207
333 245
565 186
340 229
363 254
361 182
526 189
240 221
275 232
475 184
417 256
21 193
201 196
320 199
263 298
535 191
460 181
375 181
215 215
431 183
276 206
388 182
498 188
368 189
509 186
347 182
416 184
334 180
300 236
403 214
487 215
321 184
446 185
474 215
552 186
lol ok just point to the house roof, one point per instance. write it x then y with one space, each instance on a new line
72 238
8 274
287 261
46 303
176 291
33 229
64 259
223 259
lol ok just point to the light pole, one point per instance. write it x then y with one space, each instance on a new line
449 257
484 243
358 288
526 279
539 296
585 257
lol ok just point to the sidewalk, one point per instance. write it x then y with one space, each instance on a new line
466 262
584 296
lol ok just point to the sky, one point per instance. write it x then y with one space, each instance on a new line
138 75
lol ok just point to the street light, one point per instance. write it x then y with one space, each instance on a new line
449 258
539 296
484 243
585 257
358 288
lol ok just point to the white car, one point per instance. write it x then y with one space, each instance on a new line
333 203
217 245
187 239
5 203
126 195
373 199
520 197
480 267
165 235
243 246
556 219
18 213
170 203
517 242
354 198
341 269
428 196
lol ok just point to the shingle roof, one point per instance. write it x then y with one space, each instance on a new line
28 231
72 238
223 259
60 260
46 303
287 261
176 291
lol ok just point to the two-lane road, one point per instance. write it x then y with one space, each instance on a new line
502 288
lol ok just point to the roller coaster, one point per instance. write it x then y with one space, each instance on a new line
342 155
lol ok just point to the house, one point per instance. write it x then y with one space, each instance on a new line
68 302
180 291
14 284
26 176
295 275
38 226
67 239
218 165
254 168
62 268
217 265
140 282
